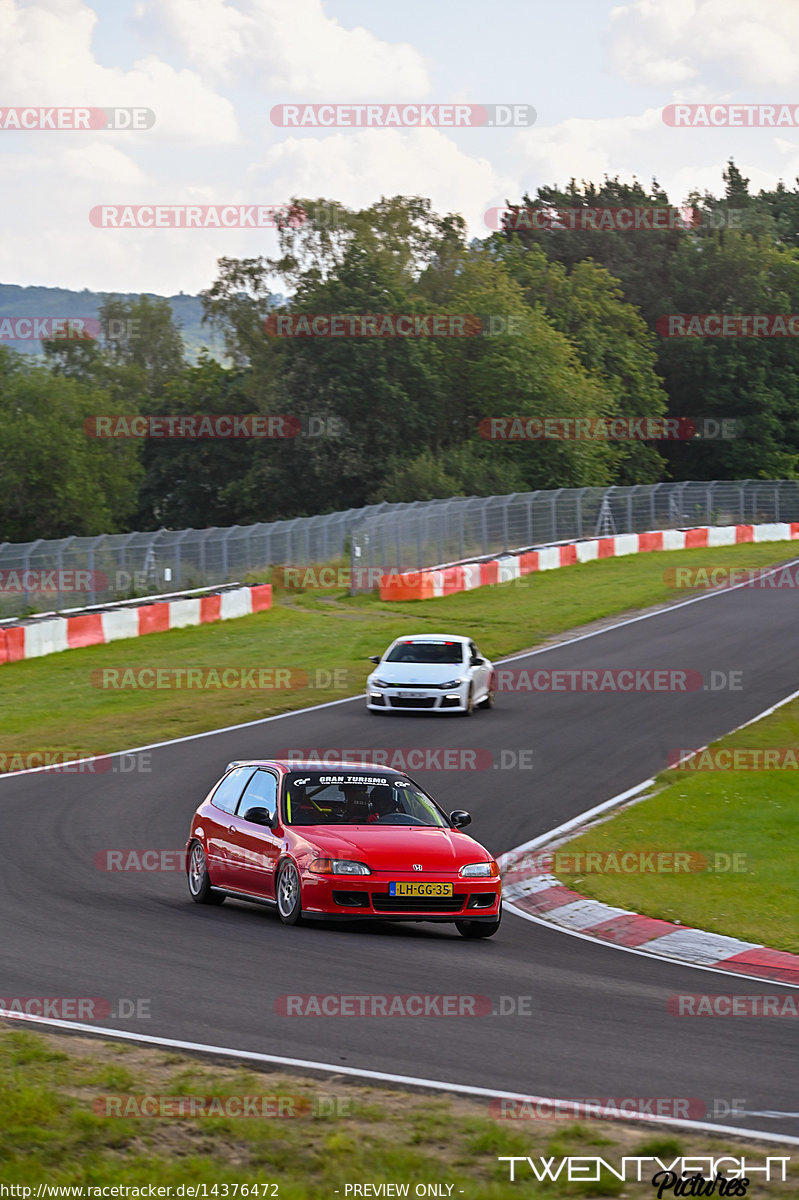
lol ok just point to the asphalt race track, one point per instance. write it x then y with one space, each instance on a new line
599 1025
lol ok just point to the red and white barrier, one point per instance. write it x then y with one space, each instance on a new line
54 634
443 581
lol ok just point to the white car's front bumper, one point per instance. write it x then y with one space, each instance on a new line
417 698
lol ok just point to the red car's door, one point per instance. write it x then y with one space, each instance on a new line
220 842
255 849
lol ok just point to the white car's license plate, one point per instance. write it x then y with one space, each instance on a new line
413 695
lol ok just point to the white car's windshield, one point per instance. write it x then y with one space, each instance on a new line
426 652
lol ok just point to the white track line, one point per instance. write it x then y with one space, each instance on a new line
385 1077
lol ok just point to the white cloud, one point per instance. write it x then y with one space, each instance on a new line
48 60
590 149
357 168
642 146
294 48
734 42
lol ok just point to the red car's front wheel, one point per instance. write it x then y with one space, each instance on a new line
199 880
289 894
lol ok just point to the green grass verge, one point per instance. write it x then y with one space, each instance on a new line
51 1131
752 814
52 702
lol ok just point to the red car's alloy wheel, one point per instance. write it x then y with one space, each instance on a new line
199 882
289 896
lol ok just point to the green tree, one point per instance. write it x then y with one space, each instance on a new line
753 381
57 480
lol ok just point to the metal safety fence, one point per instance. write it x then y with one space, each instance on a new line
445 531
78 571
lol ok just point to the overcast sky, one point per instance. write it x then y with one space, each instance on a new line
597 73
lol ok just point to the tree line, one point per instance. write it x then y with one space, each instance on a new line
557 314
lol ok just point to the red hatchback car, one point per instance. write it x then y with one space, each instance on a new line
339 842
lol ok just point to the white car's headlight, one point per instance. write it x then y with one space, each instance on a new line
338 866
380 683
452 683
481 870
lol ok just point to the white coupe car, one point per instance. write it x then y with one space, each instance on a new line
430 672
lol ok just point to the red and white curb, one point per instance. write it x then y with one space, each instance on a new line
51 635
464 577
546 898
539 896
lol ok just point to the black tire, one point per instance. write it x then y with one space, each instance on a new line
478 929
487 701
288 893
198 878
469 709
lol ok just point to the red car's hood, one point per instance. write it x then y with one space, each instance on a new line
398 847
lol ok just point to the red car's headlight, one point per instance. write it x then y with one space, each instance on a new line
338 866
479 870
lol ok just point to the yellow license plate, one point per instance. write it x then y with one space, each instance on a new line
420 889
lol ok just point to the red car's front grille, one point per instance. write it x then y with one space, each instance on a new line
417 904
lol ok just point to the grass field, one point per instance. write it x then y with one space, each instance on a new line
751 813
54 703
55 1092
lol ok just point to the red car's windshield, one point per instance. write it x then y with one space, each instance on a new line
337 797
